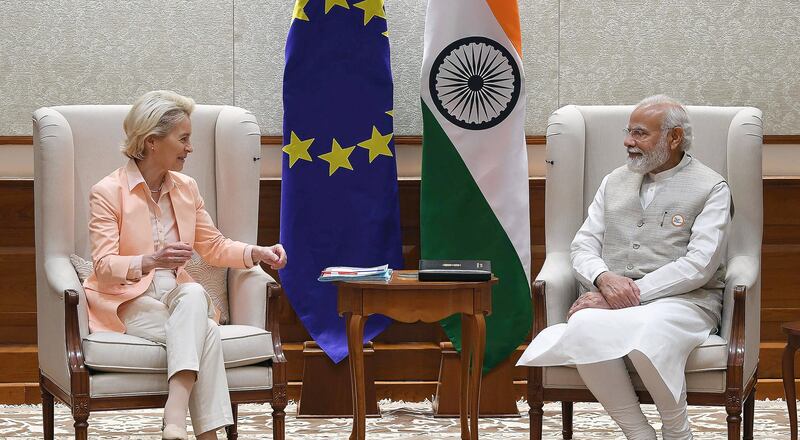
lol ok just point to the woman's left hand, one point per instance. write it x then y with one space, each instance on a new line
273 255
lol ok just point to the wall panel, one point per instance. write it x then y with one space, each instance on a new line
83 51
711 52
401 344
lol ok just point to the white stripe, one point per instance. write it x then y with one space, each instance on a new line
496 157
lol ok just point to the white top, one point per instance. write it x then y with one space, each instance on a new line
705 250
162 220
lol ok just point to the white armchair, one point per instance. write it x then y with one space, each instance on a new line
75 146
584 143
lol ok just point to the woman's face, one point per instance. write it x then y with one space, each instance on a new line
170 152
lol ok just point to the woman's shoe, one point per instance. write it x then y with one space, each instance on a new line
173 432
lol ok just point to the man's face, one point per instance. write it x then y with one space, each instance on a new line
646 142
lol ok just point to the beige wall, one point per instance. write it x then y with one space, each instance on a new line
231 52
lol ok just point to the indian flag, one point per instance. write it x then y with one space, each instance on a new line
474 200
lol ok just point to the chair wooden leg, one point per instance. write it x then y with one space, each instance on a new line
233 430
47 414
734 419
80 412
535 414
566 420
278 421
749 413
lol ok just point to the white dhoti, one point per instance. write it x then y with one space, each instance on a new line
656 337
178 317
665 331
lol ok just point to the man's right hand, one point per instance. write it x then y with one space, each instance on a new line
171 256
619 291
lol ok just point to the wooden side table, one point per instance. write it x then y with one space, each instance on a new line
792 330
408 300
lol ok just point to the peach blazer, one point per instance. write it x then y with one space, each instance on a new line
120 228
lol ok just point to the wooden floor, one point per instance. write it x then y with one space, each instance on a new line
407 356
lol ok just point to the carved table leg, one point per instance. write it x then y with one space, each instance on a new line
463 395
788 383
355 347
478 348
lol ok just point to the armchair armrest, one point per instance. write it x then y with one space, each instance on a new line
59 277
274 292
246 298
558 289
253 297
78 374
741 326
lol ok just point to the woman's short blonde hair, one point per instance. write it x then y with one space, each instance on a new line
154 114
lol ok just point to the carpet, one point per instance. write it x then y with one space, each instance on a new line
401 420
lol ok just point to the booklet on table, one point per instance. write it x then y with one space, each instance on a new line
344 273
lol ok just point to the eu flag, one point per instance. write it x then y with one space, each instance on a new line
339 204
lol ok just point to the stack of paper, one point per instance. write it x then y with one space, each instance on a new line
342 273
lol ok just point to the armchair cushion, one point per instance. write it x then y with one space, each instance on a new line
253 377
568 378
711 355
83 268
214 280
116 352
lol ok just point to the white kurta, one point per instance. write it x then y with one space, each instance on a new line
665 330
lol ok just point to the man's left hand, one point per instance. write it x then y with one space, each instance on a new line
589 300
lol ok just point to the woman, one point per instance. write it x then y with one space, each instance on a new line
146 220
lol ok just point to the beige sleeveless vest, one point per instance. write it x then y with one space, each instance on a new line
638 241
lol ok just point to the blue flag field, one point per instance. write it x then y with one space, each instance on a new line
339 203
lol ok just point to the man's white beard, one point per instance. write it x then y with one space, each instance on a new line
647 162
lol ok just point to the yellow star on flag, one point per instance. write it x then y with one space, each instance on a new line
378 144
337 158
299 10
390 112
329 4
297 149
385 34
372 8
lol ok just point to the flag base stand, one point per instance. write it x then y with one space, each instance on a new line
497 388
325 392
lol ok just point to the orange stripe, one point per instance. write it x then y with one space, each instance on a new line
507 14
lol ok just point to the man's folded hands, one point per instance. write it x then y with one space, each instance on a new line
619 291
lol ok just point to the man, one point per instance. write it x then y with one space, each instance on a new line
649 257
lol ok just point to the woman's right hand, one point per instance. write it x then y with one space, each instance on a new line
171 256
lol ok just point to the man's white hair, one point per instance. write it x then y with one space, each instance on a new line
675 115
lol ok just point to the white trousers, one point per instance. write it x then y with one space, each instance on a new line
610 382
177 316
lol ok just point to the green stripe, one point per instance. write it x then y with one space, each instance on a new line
456 222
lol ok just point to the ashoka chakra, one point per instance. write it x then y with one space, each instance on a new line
475 83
